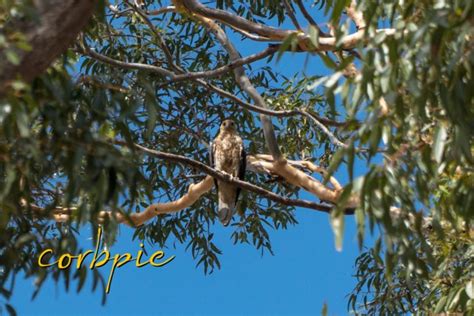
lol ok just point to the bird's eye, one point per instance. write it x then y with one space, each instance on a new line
232 123
225 124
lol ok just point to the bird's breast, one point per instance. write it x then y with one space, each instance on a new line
228 151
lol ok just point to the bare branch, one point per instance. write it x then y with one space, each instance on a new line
310 166
126 65
291 14
270 50
324 43
326 131
195 191
305 164
252 36
305 13
300 179
195 7
355 15
163 10
257 163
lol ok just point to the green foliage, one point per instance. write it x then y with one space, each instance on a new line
12 39
447 287
424 72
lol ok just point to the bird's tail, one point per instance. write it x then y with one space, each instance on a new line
225 215
226 210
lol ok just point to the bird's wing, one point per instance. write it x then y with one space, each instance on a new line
242 167
212 162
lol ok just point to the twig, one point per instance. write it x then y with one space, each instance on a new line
291 14
224 69
155 69
161 41
323 127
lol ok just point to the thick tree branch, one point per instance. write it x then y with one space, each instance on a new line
350 41
304 164
195 191
227 178
196 8
300 179
258 163
59 22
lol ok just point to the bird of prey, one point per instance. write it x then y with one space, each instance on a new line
228 155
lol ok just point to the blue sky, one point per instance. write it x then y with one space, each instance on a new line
305 272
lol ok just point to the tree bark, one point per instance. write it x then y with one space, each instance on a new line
58 24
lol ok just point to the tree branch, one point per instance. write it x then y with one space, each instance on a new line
195 191
58 23
246 85
291 14
227 178
309 18
326 131
252 36
355 15
125 65
161 71
270 50
300 179
351 70
156 32
258 163
196 9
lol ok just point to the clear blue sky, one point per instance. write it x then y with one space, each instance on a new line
305 271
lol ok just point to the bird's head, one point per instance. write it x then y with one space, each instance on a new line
228 126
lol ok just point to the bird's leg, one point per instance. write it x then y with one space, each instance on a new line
228 174
231 176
